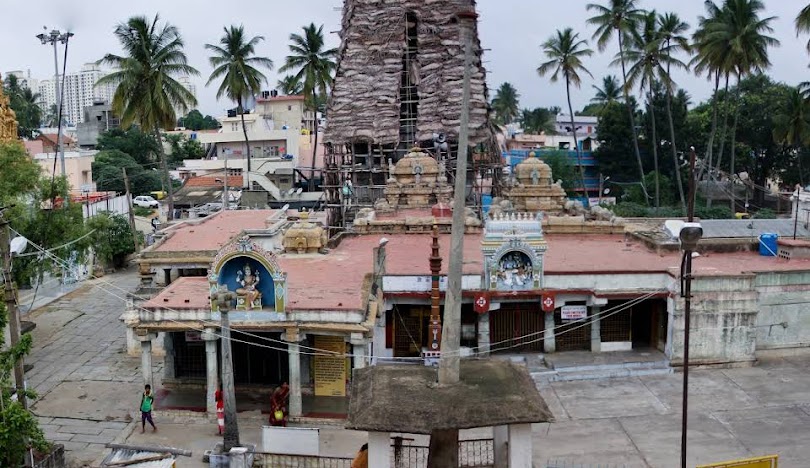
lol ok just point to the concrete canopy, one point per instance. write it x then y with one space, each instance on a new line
396 398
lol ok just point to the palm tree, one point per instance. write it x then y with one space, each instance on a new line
314 66
505 104
803 23
539 120
609 93
290 86
733 40
235 62
672 30
620 17
146 92
565 52
792 126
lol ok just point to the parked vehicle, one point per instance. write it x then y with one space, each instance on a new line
145 201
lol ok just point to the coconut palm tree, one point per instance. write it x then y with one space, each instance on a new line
672 31
619 17
733 40
610 92
146 92
290 86
314 66
234 61
565 52
792 126
505 104
803 23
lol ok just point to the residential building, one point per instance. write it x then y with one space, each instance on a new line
80 91
185 81
25 79
78 165
48 141
98 119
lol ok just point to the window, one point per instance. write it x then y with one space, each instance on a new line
234 126
289 108
273 151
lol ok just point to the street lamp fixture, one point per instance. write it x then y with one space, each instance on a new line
53 38
690 235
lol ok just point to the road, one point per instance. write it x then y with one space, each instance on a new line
89 390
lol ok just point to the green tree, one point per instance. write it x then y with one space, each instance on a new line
649 63
132 141
672 31
183 148
146 91
616 142
290 86
112 238
109 177
19 175
235 62
619 17
314 67
561 169
565 52
803 22
539 120
23 102
792 127
506 104
20 429
194 120
610 92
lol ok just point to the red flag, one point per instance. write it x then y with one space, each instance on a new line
547 302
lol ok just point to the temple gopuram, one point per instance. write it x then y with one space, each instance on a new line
8 119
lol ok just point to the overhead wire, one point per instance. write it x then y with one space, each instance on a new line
320 352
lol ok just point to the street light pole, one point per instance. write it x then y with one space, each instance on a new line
52 38
690 235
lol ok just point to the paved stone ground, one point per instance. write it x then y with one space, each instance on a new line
88 387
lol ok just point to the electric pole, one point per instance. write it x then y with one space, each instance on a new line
11 306
53 38
131 213
223 299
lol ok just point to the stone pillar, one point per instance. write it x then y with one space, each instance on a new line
359 346
379 449
168 359
146 355
549 343
500 445
596 330
211 375
293 337
520 445
483 334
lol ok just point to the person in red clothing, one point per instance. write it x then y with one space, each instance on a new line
220 410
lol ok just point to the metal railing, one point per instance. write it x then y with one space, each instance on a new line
477 453
274 460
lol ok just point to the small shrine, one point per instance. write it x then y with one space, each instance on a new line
415 181
534 189
513 248
8 119
252 273
304 236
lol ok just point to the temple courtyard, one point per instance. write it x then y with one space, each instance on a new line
89 389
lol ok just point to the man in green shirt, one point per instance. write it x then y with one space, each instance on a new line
146 408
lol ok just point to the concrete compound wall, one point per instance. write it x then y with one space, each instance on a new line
723 321
784 310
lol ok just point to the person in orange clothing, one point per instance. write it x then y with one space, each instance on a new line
361 459
220 410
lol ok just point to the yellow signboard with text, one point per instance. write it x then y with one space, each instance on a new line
330 371
759 462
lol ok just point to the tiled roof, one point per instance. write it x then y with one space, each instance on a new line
213 231
213 181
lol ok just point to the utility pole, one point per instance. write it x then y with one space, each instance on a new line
11 306
443 451
52 38
223 299
796 214
226 198
131 212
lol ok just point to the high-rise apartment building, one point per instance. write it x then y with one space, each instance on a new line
80 92
185 80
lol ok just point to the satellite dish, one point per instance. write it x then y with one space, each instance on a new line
18 245
298 192
606 191
285 207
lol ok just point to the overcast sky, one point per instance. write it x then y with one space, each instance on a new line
511 32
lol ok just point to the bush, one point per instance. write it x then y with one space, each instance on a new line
629 210
765 213
142 211
715 212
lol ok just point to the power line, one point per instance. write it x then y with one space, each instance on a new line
319 352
